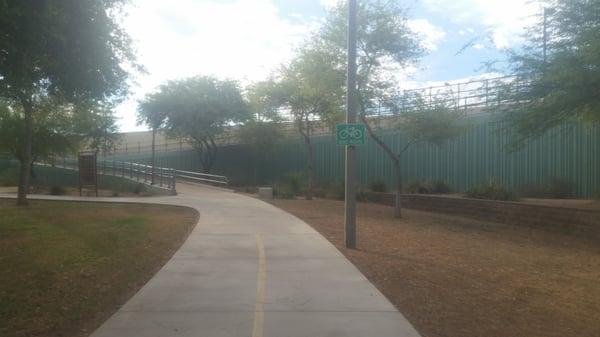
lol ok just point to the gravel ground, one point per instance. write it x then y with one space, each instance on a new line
458 277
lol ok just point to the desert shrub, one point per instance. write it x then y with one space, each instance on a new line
555 187
320 191
559 188
532 191
491 190
282 192
9 177
290 185
139 188
441 187
419 187
363 194
57 190
336 190
378 186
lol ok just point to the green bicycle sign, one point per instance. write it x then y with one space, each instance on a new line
350 134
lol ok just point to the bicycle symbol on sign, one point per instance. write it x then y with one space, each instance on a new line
351 133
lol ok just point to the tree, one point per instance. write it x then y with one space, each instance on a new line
385 46
559 70
262 138
151 115
58 130
68 49
262 133
198 110
311 91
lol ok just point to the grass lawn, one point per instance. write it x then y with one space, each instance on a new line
457 277
66 267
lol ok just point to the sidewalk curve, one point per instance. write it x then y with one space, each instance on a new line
249 269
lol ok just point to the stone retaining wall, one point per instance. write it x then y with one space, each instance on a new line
514 213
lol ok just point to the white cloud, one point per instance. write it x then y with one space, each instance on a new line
241 39
468 82
478 46
430 34
504 20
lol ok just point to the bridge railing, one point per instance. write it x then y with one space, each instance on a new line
469 96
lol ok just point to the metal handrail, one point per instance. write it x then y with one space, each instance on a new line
157 176
202 177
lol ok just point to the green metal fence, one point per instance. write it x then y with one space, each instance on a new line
571 152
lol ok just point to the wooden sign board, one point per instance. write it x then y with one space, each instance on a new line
88 173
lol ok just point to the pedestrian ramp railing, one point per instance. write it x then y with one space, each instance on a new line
160 177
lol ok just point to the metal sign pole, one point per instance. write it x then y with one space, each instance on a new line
351 106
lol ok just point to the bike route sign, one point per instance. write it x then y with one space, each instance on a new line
350 134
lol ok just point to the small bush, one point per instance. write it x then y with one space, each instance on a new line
57 190
139 188
419 187
441 187
336 191
282 192
378 186
559 188
491 190
532 191
555 187
9 177
363 195
290 185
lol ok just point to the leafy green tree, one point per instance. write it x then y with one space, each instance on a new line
198 110
151 115
385 45
58 130
263 101
310 90
263 133
68 49
262 139
559 70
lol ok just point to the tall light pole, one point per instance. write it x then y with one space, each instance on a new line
351 108
546 11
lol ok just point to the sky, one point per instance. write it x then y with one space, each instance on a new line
247 39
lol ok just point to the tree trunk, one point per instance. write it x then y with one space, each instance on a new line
25 168
255 168
309 168
153 153
398 196
395 160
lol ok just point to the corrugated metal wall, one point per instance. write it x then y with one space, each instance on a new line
571 152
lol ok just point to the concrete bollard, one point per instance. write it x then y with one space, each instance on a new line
265 193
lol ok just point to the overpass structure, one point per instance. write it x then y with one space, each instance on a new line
470 97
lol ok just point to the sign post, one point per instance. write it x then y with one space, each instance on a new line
350 132
88 173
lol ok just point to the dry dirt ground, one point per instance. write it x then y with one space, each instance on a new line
457 277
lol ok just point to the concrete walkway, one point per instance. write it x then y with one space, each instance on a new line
250 269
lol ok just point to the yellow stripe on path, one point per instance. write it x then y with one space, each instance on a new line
259 313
